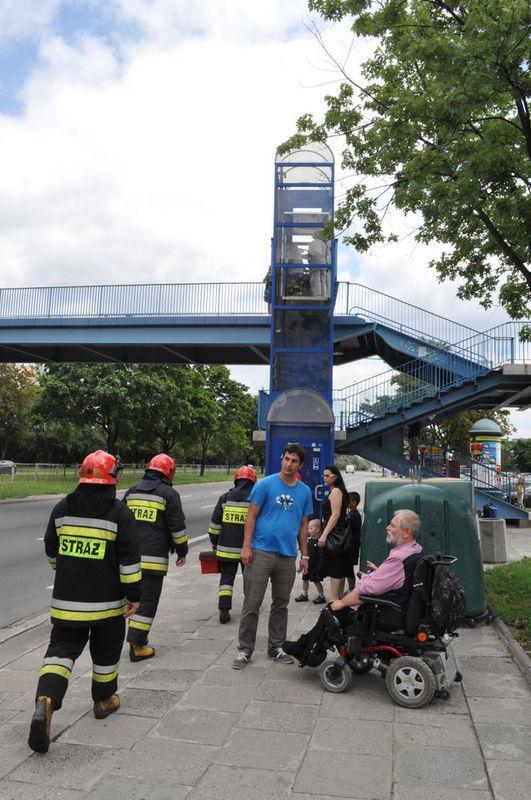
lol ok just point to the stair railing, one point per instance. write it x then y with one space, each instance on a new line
393 391
395 313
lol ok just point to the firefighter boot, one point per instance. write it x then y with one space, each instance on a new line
106 707
39 735
138 652
224 615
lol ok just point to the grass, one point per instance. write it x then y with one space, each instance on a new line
509 590
26 486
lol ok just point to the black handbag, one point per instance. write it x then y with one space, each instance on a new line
339 540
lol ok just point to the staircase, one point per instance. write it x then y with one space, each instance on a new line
478 371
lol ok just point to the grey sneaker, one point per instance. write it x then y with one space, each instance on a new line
241 660
278 654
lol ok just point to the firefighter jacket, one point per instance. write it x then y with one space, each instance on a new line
228 521
92 543
160 521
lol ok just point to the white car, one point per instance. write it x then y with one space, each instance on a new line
349 469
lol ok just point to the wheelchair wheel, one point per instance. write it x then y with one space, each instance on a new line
410 682
335 677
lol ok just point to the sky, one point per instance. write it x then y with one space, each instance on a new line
138 143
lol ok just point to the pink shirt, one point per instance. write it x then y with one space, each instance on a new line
389 575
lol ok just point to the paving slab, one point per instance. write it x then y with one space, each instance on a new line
156 758
122 787
350 775
504 711
510 779
208 646
164 678
458 767
111 732
503 664
425 792
434 730
230 698
289 717
236 783
505 742
223 675
487 684
300 687
196 725
14 748
297 796
17 680
263 750
357 705
148 702
351 737
68 766
13 790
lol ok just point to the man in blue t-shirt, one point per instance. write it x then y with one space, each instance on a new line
279 507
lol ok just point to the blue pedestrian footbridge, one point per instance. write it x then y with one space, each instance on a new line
445 366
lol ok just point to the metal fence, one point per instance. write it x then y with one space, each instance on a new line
56 472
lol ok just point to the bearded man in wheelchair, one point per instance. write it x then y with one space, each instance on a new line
383 623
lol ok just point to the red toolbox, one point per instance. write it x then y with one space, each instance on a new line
209 562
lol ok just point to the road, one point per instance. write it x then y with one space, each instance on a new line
25 577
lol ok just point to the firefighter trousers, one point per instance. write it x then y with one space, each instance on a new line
67 644
140 623
226 582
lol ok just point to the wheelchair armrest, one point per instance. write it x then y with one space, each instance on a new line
372 599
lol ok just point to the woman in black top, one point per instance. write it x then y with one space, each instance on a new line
334 511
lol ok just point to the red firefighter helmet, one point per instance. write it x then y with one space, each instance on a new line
246 473
99 467
163 463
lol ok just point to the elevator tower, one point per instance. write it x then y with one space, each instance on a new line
303 274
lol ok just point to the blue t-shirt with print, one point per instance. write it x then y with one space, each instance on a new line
281 510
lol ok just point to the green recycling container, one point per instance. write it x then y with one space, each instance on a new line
448 525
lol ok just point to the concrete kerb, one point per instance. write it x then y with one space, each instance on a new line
23 625
516 650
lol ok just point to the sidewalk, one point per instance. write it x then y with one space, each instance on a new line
192 727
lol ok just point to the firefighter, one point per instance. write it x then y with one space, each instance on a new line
161 526
92 544
226 535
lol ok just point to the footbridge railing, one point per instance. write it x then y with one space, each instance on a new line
144 300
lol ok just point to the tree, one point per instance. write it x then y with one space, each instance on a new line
516 455
452 436
220 409
167 395
18 388
439 126
104 396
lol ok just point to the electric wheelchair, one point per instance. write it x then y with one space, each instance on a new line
410 648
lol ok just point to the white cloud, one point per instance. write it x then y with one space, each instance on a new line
148 157
20 19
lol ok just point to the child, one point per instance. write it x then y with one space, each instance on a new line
354 500
314 531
